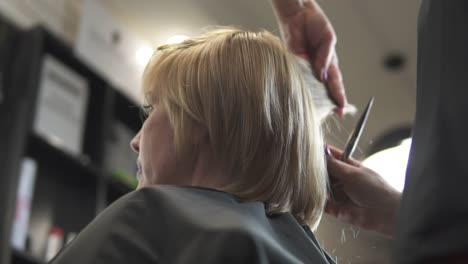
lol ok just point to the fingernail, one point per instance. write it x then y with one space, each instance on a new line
324 75
327 151
338 111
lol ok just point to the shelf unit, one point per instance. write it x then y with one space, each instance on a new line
13 129
70 190
21 257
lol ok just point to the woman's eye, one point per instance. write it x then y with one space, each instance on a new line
145 111
148 108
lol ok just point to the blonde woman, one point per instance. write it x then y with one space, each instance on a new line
231 158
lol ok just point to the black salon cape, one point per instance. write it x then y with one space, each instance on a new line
433 220
171 224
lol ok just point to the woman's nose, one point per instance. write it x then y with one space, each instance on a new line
135 143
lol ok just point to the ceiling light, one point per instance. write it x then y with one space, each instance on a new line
143 55
391 164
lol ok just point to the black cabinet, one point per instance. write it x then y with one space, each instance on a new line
70 189
13 129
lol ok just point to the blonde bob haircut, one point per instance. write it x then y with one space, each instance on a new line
248 91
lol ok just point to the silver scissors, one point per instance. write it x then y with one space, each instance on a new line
354 138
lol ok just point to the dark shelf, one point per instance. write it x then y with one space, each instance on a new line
65 184
21 257
128 112
119 186
69 190
39 147
116 189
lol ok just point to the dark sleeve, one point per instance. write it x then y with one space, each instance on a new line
433 218
450 260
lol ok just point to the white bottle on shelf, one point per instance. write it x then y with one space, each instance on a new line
23 203
54 243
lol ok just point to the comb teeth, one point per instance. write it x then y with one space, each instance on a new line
324 106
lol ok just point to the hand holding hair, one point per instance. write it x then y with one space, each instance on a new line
309 34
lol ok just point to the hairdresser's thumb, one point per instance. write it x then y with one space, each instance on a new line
339 170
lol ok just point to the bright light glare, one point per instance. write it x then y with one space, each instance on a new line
391 164
143 55
176 39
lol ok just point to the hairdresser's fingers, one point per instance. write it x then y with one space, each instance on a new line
334 208
337 153
295 38
324 53
348 213
335 85
344 172
331 207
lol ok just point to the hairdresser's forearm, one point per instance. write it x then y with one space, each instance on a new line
285 9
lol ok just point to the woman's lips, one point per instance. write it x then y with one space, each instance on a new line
138 174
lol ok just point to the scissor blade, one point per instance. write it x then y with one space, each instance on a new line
354 138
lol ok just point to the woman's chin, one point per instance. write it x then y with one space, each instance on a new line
141 183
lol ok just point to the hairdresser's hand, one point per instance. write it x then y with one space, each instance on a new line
360 196
310 35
